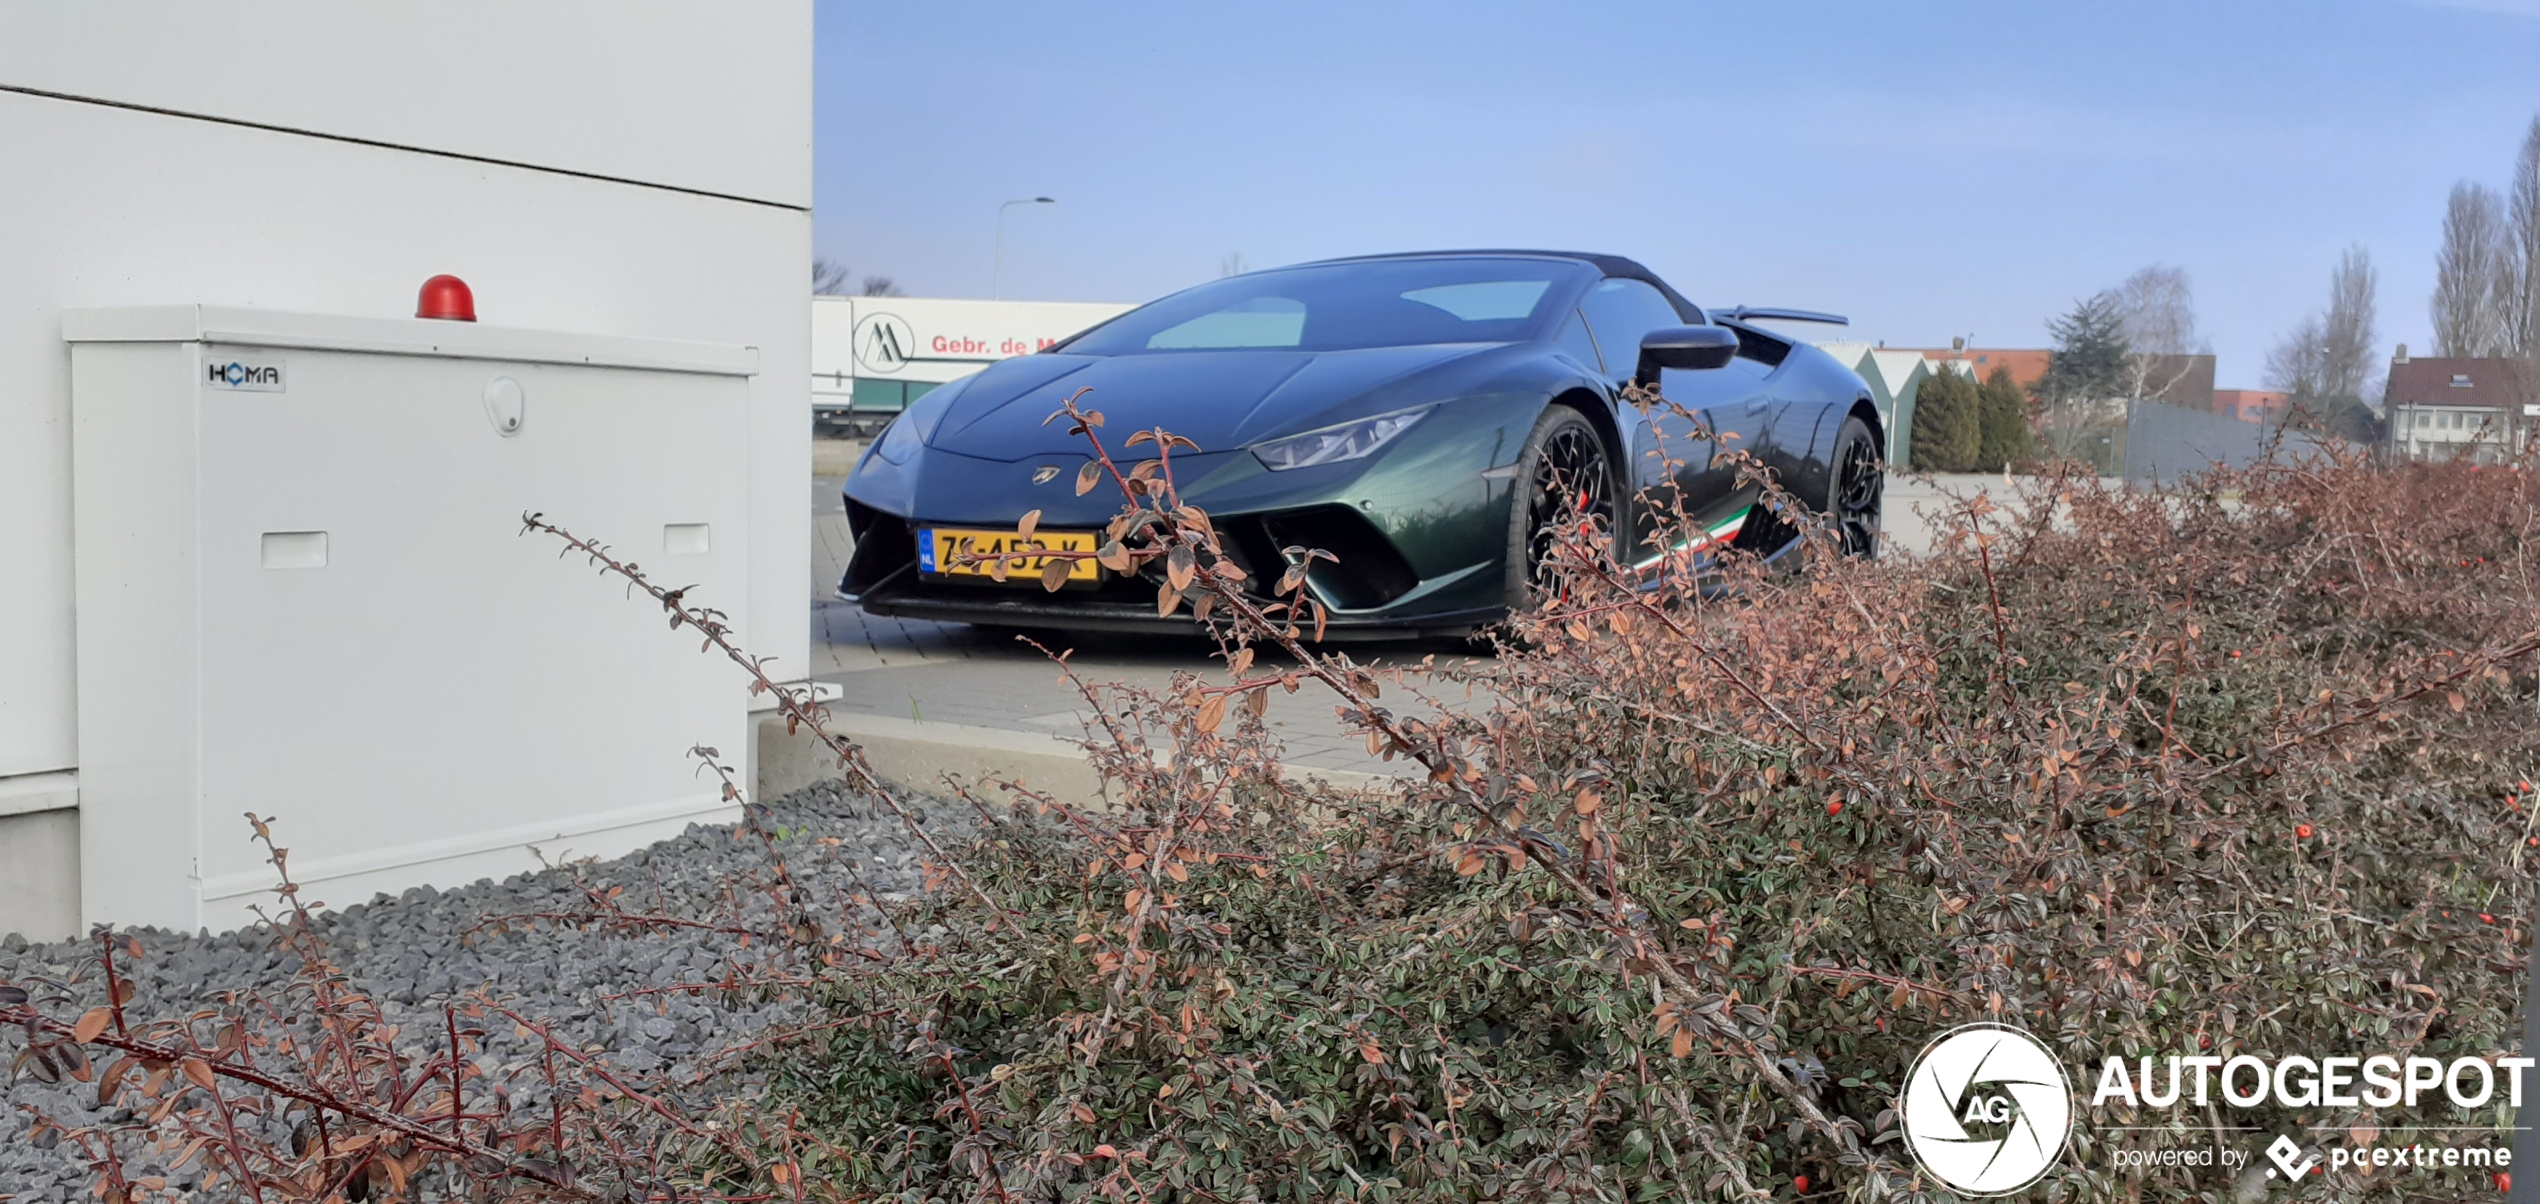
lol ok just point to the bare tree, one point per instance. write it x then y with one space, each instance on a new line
2157 306
1232 265
2328 362
2475 281
829 278
2522 220
2298 364
2347 333
882 286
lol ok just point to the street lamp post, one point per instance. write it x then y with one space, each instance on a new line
996 282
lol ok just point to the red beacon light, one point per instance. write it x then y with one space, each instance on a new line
446 298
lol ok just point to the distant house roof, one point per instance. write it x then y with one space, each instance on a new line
1847 352
2452 381
2183 380
2250 405
2026 364
1892 375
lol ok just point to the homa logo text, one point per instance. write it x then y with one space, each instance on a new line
245 375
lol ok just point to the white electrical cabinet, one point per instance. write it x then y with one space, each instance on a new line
303 592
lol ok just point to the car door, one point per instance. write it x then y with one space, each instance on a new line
1674 456
1746 414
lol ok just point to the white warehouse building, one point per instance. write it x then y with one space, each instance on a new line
262 547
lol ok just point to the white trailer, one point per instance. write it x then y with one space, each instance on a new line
871 356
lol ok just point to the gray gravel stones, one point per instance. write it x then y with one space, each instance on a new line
408 952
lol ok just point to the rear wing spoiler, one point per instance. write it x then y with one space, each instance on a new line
1768 313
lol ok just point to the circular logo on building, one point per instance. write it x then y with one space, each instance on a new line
883 343
1986 1109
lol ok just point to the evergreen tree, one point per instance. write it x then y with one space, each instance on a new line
2089 362
1947 431
2002 437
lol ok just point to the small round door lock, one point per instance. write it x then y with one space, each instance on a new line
504 406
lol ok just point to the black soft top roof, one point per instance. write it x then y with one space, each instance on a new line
1612 265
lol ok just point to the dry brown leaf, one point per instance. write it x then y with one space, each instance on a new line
93 1022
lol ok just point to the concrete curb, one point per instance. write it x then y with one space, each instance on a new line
916 756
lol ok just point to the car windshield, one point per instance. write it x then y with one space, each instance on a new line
1344 306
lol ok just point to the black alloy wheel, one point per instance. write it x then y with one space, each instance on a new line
1567 485
1858 490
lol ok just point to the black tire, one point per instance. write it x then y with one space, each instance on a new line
1565 463
1856 490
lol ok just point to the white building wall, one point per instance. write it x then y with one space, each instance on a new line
681 93
603 167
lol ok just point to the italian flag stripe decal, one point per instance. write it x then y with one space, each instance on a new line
1712 536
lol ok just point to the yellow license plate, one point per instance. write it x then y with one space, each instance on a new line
943 550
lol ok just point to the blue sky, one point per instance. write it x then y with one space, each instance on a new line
1931 169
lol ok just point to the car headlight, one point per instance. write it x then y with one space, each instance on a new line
916 424
1333 444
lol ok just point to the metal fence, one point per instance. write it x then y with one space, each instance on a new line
2165 442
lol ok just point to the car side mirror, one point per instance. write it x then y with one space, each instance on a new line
1696 347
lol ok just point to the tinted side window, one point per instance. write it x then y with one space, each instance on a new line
1574 339
1762 349
1621 313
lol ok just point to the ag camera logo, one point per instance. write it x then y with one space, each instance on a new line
1987 1109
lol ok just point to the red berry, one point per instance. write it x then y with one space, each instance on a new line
1835 807
2485 918
2504 1181
1800 1182
2302 832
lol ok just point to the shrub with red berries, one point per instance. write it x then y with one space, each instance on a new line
1606 945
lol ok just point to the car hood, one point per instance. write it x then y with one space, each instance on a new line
1218 399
